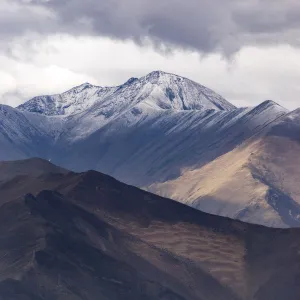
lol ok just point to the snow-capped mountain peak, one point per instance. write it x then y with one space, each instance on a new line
158 90
184 94
70 102
130 81
83 86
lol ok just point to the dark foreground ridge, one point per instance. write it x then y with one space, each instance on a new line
87 236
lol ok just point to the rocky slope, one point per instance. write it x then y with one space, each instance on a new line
87 236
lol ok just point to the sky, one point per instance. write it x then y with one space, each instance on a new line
246 50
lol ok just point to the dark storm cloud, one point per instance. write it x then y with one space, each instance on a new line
17 18
205 25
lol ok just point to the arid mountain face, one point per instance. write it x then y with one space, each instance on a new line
256 182
87 236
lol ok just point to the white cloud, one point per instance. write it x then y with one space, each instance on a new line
20 80
56 63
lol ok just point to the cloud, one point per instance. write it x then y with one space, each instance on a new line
19 17
63 61
21 81
202 25
48 46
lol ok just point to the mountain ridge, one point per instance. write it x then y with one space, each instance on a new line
87 235
145 132
61 104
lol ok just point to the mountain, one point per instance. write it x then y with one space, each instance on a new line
258 181
35 167
148 132
156 90
67 235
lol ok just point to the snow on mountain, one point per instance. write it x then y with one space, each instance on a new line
146 132
25 134
16 134
88 108
157 145
73 101
158 90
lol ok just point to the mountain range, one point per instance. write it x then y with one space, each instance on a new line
171 136
67 235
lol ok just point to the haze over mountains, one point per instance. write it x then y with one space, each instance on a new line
171 136
66 236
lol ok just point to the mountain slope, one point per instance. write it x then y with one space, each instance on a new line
17 134
154 146
25 135
258 182
33 167
92 237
